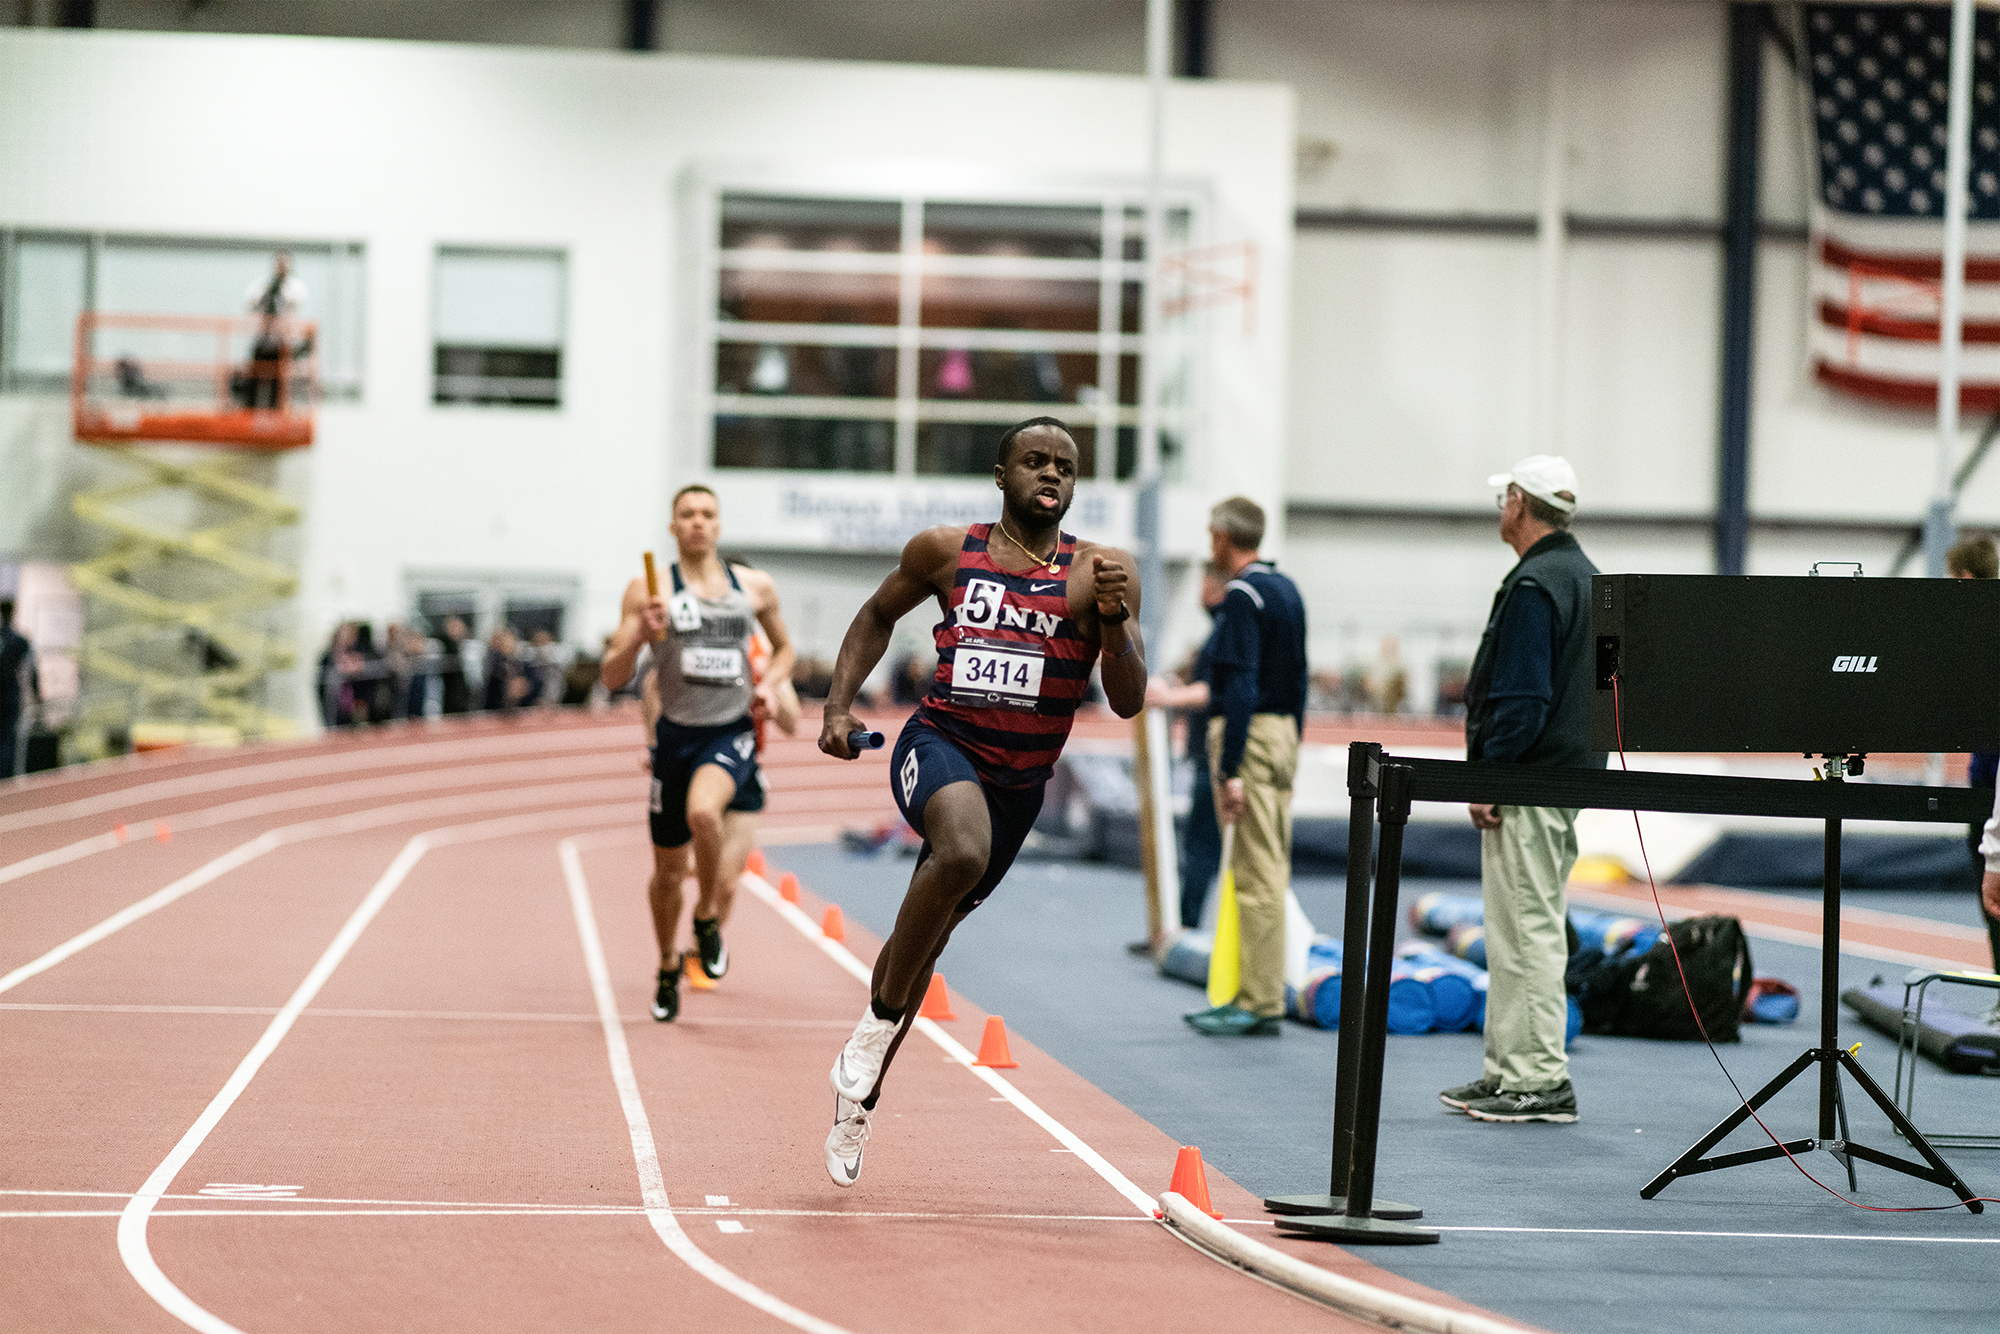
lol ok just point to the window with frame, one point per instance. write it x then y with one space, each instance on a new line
904 335
498 317
49 278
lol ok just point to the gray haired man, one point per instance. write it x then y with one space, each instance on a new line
1528 702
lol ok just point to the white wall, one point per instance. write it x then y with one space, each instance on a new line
409 146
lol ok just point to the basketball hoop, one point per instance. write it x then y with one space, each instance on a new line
242 381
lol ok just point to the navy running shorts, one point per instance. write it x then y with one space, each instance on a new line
679 751
924 761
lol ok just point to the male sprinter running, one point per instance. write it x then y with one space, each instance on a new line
1027 609
705 779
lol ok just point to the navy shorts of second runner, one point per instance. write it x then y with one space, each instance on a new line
679 751
924 761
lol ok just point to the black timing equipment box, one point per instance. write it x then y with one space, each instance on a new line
1812 665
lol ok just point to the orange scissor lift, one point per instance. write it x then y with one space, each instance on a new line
185 597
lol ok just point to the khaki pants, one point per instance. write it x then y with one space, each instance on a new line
1523 866
1262 854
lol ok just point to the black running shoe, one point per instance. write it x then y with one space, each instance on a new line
708 939
1556 1104
667 998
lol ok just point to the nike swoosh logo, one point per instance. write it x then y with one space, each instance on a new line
1042 588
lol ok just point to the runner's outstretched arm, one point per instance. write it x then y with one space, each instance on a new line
915 578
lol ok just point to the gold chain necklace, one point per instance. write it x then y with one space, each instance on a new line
1049 561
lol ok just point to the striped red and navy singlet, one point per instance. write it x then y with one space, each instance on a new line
1012 666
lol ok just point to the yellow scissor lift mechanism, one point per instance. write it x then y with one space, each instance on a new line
174 650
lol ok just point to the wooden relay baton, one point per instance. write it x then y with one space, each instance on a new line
653 586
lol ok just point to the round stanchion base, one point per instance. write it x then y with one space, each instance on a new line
1358 1231
1307 1205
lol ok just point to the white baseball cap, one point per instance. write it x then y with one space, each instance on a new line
1542 476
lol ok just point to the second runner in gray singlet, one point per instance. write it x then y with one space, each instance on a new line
704 661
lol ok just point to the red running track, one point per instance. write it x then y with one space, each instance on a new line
351 1035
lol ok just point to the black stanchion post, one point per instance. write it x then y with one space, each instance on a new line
1364 758
1359 1225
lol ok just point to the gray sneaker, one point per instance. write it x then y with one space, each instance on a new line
1483 1087
1554 1104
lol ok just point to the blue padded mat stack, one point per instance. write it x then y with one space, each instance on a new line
1429 991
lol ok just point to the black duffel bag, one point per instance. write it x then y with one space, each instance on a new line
1640 995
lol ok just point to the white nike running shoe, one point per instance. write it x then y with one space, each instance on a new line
846 1140
859 1064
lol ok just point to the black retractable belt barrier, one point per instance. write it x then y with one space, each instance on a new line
1363 759
1359 1223
1370 939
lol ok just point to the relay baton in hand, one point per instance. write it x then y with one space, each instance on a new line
864 740
652 583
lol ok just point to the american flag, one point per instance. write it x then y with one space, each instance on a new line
1879 76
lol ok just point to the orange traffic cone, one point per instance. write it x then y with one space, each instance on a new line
993 1045
700 981
755 863
788 887
1190 1181
118 832
163 832
937 1001
831 926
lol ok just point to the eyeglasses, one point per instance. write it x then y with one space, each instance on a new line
1500 500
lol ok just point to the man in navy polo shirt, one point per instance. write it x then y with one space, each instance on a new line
1257 711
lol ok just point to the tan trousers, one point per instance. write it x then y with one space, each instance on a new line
1523 866
1262 854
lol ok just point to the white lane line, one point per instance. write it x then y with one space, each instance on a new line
446 1016
298 833
1068 1138
645 1155
1724 1236
579 1211
328 794
132 1245
132 1242
513 1206
426 754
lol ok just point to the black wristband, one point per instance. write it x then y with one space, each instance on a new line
1124 615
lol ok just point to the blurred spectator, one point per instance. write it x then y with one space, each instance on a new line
274 301
911 680
402 663
545 660
370 682
579 679
508 681
454 695
1388 684
339 666
812 678
1452 677
20 692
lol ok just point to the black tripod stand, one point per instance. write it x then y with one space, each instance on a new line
1831 1060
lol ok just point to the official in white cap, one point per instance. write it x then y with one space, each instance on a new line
1527 701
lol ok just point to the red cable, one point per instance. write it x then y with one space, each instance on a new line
1618 720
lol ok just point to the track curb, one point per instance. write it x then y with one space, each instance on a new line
1315 1284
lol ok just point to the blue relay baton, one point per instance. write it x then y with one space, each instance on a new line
864 740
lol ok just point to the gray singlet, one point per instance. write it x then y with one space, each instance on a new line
704 661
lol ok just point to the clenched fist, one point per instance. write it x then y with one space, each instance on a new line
1108 580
